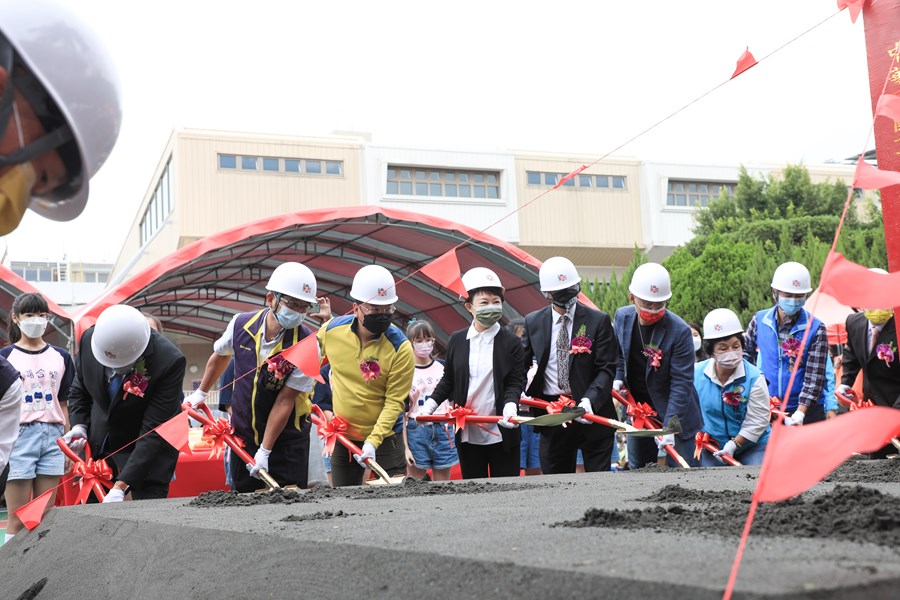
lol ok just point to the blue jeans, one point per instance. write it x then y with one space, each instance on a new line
643 451
430 445
35 451
529 451
753 455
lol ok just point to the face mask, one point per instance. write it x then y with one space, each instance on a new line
377 323
488 315
288 318
565 298
791 306
729 360
697 344
878 317
33 327
651 316
423 349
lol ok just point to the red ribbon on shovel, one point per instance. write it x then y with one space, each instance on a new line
647 422
329 430
94 475
703 441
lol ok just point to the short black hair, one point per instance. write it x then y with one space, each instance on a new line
419 328
496 291
708 345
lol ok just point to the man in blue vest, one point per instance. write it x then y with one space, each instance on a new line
776 336
271 399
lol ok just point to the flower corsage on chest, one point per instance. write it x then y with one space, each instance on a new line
735 397
654 355
370 369
790 349
581 343
886 352
137 381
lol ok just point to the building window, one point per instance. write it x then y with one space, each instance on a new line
270 164
442 183
615 182
161 204
248 163
273 164
333 167
682 193
227 161
314 167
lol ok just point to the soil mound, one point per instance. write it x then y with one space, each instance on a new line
867 471
676 493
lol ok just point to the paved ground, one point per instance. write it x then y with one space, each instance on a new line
481 545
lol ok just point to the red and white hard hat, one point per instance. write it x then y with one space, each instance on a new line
120 336
295 280
720 323
373 284
558 273
651 283
480 277
792 278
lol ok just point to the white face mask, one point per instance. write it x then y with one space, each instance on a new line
423 349
729 360
33 327
696 344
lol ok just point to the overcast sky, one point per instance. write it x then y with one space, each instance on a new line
564 76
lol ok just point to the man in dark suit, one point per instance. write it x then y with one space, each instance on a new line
576 354
128 380
656 364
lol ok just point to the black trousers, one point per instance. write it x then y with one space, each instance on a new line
288 464
390 456
559 447
478 462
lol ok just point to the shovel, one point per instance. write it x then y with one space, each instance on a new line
619 426
625 398
548 420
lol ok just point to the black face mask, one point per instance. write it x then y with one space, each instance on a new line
564 298
377 323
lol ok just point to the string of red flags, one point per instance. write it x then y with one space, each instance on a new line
570 176
855 7
305 356
854 285
444 270
888 106
32 513
745 62
175 431
868 177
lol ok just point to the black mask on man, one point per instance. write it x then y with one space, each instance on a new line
377 323
566 297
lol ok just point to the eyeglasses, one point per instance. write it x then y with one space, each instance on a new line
294 304
377 310
650 305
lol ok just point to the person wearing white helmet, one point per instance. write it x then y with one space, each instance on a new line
775 336
128 380
872 349
270 400
59 111
372 368
576 353
733 394
656 364
484 372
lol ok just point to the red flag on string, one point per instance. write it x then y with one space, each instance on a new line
744 62
868 177
888 106
444 270
570 176
305 356
175 431
855 7
854 285
797 458
32 513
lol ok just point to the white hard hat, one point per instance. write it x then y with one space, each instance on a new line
67 59
720 323
295 280
651 282
792 278
480 277
120 336
374 284
558 273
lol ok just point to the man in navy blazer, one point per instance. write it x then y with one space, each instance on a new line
656 364
589 353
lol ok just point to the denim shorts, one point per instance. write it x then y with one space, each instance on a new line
36 452
529 454
430 445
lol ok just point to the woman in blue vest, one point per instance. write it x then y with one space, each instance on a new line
734 399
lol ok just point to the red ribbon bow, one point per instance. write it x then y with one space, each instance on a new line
703 441
94 474
329 430
641 415
560 405
217 431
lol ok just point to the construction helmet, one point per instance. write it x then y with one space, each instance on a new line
558 273
651 283
791 278
120 336
373 284
72 87
480 277
720 323
295 280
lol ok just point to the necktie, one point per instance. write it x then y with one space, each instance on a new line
115 384
873 339
562 354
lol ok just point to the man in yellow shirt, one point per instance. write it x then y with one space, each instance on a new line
372 367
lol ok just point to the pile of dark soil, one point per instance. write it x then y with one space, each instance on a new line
676 493
317 516
410 487
867 471
856 514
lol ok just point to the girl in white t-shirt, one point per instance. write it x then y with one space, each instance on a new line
428 445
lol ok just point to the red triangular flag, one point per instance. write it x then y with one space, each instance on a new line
175 431
305 356
744 62
855 7
798 458
32 513
868 177
853 285
570 176
444 270
888 106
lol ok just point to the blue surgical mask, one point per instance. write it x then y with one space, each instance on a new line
791 306
287 318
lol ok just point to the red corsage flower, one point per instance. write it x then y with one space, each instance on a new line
790 348
370 369
136 383
734 397
581 343
886 352
279 367
655 355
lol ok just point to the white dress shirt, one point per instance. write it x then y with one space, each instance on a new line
481 397
551 373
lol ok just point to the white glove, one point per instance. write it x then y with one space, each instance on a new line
261 458
729 449
844 390
509 411
795 419
666 440
427 409
76 438
588 410
529 376
618 384
196 397
368 451
114 495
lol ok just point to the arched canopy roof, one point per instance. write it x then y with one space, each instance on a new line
59 331
197 289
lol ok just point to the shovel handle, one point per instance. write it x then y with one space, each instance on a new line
726 458
320 421
625 398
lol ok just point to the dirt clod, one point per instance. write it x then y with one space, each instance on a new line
316 516
676 493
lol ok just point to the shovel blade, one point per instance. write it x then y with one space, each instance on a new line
555 419
394 480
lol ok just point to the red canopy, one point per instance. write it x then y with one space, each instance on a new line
59 332
197 289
